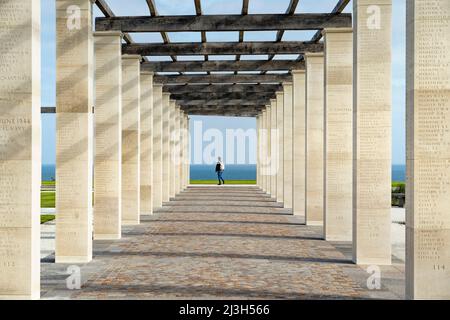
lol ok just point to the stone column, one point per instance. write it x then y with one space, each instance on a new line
172 144
166 148
338 149
74 131
273 148
428 153
258 138
179 150
131 96
157 146
108 136
267 149
280 150
299 142
188 153
288 167
20 150
146 146
314 139
262 150
372 132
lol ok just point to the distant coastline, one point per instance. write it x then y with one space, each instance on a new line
232 172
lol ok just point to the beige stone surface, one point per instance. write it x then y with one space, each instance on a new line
20 150
299 143
74 133
108 136
172 144
314 138
146 131
166 147
273 148
262 150
288 149
280 145
131 154
428 153
338 130
372 131
157 146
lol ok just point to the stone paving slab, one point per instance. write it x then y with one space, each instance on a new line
220 252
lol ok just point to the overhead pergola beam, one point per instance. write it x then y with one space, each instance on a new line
340 6
222 48
290 11
223 88
239 78
223 95
217 66
224 102
254 22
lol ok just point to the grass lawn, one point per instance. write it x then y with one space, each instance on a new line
226 182
47 199
47 217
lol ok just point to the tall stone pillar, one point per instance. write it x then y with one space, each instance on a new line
157 146
273 148
338 130
188 153
20 150
146 126
314 139
288 146
267 149
428 153
108 136
372 132
172 144
74 131
166 147
280 145
131 180
178 162
262 150
299 142
258 150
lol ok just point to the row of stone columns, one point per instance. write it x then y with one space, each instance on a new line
119 144
109 162
335 142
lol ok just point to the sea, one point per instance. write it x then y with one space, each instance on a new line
232 172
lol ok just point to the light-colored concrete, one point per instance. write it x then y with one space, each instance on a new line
299 143
146 134
280 145
157 146
288 146
131 118
108 136
165 147
274 148
428 152
74 132
338 130
314 138
372 131
20 145
172 145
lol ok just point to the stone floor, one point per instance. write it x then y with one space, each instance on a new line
231 242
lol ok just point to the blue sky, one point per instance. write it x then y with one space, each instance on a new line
180 7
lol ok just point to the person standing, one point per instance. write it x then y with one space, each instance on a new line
220 168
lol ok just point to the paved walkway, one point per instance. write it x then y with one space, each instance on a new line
231 242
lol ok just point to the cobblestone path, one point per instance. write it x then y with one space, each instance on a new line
219 243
